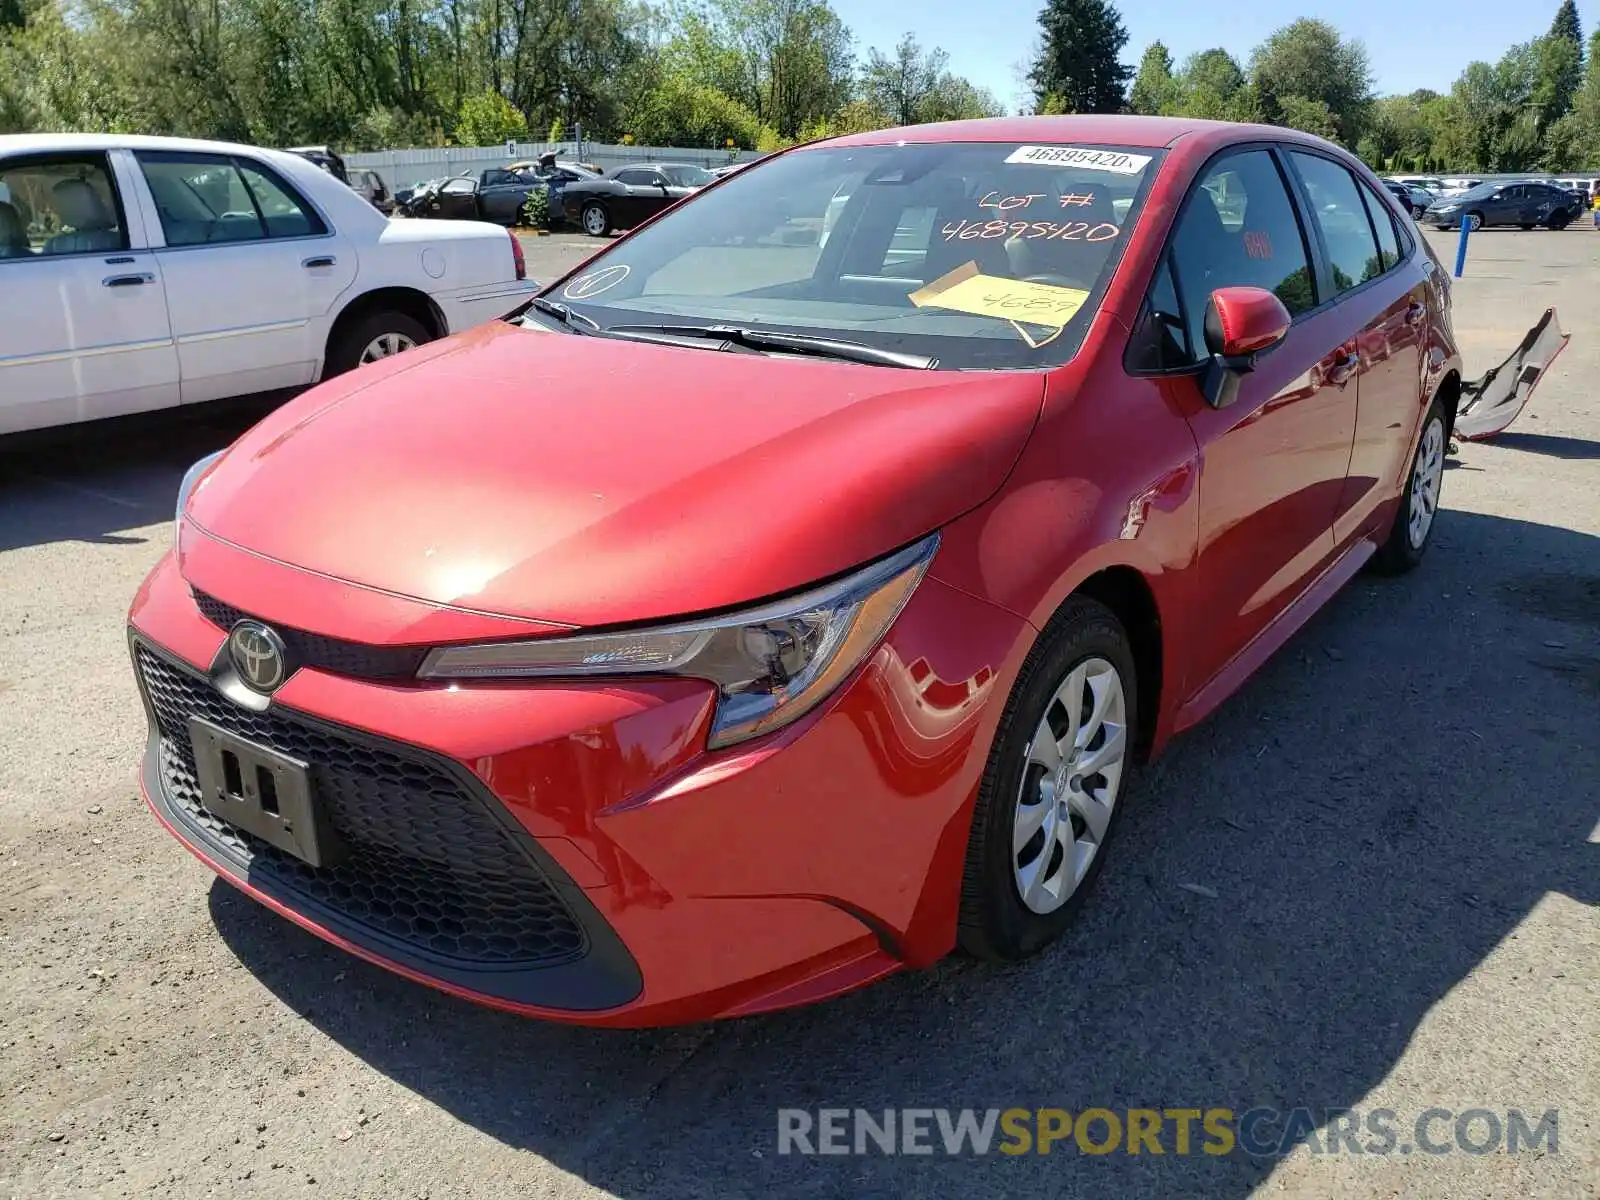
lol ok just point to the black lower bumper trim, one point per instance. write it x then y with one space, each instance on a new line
532 937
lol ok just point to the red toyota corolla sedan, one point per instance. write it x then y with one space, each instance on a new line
786 597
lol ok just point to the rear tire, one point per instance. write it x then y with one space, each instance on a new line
1414 522
1050 797
372 337
596 220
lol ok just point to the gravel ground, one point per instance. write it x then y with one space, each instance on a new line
1392 829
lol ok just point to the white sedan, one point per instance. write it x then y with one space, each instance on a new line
139 273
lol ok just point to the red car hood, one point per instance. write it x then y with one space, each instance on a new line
591 481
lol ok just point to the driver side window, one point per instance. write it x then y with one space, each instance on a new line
1238 227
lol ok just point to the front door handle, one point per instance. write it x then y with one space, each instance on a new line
1343 367
1415 313
320 260
128 280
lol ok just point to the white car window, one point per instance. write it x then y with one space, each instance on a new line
60 205
204 199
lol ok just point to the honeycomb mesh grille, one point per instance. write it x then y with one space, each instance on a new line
325 653
427 864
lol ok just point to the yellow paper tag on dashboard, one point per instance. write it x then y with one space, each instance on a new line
968 290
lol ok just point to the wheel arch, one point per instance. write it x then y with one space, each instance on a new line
415 304
1448 393
1128 594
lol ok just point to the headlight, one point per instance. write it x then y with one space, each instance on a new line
771 665
1446 208
191 480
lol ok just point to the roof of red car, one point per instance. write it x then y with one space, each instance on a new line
1094 129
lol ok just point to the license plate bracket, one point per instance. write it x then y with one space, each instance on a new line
263 792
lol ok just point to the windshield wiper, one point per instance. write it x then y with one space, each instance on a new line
567 316
792 343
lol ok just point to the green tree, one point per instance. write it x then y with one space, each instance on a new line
1308 115
1079 59
682 112
913 87
901 85
1567 25
1308 59
1557 75
788 61
488 119
1155 91
1212 86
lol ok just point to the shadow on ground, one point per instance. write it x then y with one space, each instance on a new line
1376 811
120 474
1551 445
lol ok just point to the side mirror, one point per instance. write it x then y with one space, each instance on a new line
1241 324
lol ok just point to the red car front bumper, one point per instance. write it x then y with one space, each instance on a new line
572 851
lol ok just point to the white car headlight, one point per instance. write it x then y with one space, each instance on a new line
771 665
191 480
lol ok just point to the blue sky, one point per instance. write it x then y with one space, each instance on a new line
1411 44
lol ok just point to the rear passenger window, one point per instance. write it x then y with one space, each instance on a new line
1337 208
205 199
1239 228
1383 222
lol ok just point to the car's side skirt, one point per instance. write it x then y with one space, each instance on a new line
1267 643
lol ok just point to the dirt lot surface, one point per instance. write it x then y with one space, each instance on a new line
1393 829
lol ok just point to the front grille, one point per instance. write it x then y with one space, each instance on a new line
428 865
333 655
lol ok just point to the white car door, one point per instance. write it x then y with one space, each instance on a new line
83 324
253 269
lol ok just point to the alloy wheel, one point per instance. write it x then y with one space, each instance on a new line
386 345
594 221
1426 476
1069 785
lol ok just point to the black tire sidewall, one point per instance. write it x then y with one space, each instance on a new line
345 354
995 924
1397 554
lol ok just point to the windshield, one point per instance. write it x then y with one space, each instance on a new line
979 255
688 176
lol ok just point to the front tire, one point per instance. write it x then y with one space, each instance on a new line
1048 801
373 337
596 220
1558 221
1419 503
1474 222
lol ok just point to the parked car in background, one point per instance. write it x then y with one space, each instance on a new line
498 193
1415 200
143 272
630 195
1428 183
1454 186
325 157
1523 205
369 185
402 196
740 624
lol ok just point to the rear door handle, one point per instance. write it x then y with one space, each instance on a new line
128 280
320 260
1343 367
